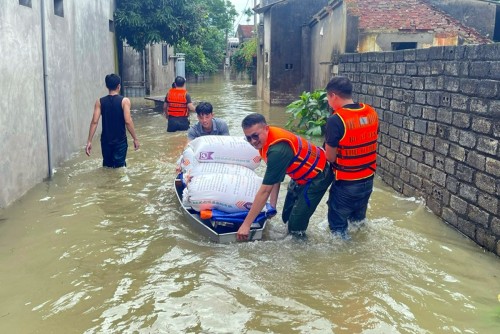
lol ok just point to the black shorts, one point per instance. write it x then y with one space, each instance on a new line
177 124
114 155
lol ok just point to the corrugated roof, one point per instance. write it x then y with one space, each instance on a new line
409 15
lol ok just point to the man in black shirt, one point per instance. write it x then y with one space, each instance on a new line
351 147
115 112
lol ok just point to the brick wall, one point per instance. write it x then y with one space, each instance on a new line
439 112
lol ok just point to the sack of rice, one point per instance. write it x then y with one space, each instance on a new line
225 192
218 168
223 149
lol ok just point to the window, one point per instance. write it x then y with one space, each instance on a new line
266 56
59 8
111 26
403 46
288 67
164 54
26 3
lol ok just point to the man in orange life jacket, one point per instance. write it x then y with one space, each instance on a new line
177 106
286 154
351 147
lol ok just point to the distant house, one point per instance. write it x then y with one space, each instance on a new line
244 32
346 26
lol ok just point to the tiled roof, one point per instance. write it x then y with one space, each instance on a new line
246 30
411 16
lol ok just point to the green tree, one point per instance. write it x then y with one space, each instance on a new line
143 22
196 62
248 13
242 59
309 113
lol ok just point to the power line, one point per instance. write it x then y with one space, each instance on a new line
241 15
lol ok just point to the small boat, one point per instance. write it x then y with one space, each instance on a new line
220 229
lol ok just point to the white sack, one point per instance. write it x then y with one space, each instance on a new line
225 192
218 168
187 160
223 149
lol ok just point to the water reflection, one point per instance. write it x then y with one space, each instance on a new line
108 251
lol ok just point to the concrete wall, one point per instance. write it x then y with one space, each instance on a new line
161 76
376 41
440 129
264 59
144 73
80 52
328 40
133 72
480 15
281 78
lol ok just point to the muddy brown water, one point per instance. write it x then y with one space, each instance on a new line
108 251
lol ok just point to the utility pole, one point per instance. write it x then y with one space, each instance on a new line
254 18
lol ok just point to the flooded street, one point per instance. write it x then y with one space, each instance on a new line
108 251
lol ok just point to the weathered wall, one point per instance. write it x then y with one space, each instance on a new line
161 76
264 59
331 34
282 76
440 129
144 73
133 72
80 52
376 41
480 15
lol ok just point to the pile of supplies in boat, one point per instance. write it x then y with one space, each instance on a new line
220 181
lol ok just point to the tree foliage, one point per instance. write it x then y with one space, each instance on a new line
143 22
242 59
309 113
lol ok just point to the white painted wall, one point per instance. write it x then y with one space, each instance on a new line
80 52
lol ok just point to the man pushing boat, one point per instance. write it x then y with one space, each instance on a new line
286 153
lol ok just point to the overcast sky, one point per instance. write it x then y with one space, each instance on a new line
240 6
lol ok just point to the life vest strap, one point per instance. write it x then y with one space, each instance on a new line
355 168
340 156
350 147
295 158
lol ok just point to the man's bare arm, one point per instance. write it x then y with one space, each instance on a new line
129 123
93 126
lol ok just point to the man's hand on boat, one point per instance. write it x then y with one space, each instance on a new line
243 232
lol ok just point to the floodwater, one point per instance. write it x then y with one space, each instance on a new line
108 251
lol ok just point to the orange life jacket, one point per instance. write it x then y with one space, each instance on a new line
357 150
309 159
177 102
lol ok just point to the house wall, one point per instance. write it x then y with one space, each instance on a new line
144 72
372 41
161 76
282 76
80 52
133 72
480 15
264 59
439 112
328 40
